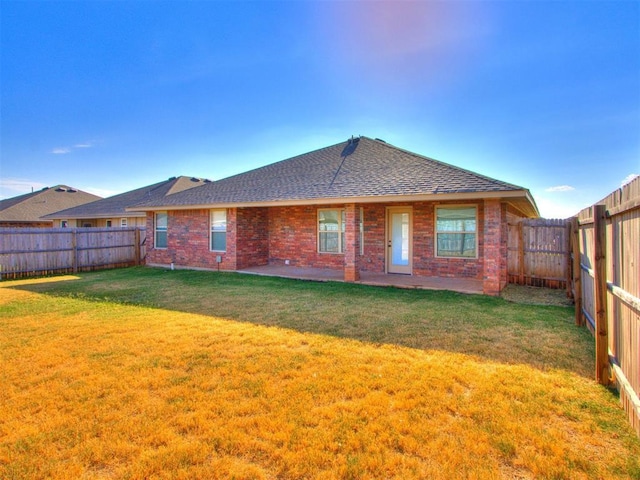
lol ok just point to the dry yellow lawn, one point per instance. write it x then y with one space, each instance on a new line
92 389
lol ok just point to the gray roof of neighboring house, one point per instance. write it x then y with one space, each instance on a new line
34 207
115 206
361 169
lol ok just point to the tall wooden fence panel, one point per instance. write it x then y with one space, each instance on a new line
586 242
538 252
620 283
42 251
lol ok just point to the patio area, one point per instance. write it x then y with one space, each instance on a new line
461 285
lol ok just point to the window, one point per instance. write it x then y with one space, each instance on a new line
219 230
108 223
456 232
331 231
64 223
123 222
160 239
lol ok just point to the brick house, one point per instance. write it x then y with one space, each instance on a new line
359 206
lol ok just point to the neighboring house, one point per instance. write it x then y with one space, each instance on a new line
30 209
111 211
359 206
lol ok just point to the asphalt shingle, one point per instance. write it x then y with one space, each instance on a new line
33 207
115 206
357 168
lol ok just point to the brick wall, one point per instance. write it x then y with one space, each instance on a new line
252 233
155 256
426 262
373 258
293 237
259 236
495 247
188 241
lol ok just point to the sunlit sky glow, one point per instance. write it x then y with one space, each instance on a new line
111 96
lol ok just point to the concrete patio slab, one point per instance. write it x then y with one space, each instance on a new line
461 285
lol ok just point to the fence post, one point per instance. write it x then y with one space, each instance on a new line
74 245
521 253
576 269
569 278
602 327
137 242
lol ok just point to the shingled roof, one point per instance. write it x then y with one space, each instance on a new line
116 205
32 207
360 170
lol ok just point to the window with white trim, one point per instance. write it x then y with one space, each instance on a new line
123 222
218 230
456 232
160 230
331 224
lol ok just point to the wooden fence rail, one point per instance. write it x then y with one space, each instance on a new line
41 251
606 288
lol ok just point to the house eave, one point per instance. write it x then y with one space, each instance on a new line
128 214
22 220
521 200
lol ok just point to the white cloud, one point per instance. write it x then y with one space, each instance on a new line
629 178
61 150
65 150
12 187
560 188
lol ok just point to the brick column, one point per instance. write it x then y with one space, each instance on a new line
495 247
352 243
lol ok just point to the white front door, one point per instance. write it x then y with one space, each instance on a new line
399 245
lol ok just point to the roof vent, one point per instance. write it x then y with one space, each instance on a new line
61 189
380 140
71 190
350 147
194 179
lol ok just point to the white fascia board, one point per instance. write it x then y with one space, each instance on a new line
432 197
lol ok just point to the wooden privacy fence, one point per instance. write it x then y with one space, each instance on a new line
538 253
42 251
606 289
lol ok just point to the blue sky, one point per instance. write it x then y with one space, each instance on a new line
111 96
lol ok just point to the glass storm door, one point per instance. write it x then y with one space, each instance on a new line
399 240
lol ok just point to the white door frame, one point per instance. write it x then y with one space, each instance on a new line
389 243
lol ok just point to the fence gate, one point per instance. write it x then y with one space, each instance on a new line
539 253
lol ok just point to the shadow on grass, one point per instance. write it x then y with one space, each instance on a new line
491 328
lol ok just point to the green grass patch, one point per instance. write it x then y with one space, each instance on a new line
472 324
151 373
